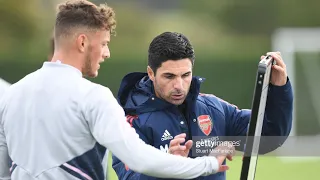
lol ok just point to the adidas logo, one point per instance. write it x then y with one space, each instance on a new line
166 136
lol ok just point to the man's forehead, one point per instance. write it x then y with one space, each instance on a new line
176 67
174 70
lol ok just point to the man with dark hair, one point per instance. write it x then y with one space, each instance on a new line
55 124
165 104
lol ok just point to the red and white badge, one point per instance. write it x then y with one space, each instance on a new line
205 123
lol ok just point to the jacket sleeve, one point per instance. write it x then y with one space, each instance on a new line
277 119
4 156
122 170
107 123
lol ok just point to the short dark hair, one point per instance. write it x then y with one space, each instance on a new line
169 46
83 14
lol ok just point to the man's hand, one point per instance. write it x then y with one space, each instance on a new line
220 152
223 152
279 71
176 148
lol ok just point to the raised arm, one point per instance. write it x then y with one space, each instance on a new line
108 124
121 169
278 113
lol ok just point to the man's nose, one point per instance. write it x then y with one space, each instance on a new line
106 53
178 83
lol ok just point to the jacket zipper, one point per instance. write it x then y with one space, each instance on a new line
189 135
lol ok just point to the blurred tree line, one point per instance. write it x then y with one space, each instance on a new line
228 27
24 29
239 29
258 17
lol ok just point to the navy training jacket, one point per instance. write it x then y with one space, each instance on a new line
157 121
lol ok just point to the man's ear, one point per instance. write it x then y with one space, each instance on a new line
82 42
150 73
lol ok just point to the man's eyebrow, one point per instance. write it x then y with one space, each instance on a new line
169 74
187 72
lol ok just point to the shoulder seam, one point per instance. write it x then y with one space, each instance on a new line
204 101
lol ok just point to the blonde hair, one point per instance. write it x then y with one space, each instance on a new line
83 14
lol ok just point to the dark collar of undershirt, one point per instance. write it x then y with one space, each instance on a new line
183 109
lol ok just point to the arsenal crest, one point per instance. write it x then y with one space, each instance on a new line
205 123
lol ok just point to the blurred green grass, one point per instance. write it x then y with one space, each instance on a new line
269 168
